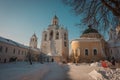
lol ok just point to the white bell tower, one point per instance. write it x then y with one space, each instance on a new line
33 41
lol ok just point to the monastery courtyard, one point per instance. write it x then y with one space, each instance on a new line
51 71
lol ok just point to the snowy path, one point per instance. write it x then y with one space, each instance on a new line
37 71
57 72
46 71
22 71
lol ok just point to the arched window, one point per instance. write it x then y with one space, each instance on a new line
65 36
18 52
111 51
6 50
95 51
57 35
33 39
1 48
13 51
51 35
65 44
45 37
86 52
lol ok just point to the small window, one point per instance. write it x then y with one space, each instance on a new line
13 51
65 44
86 52
1 48
111 51
95 52
45 37
22 52
6 50
18 52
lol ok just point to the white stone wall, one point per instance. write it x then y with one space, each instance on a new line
20 53
33 41
58 43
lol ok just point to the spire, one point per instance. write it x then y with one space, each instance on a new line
33 41
55 20
34 35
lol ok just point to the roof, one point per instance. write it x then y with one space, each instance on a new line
90 30
11 42
55 17
34 35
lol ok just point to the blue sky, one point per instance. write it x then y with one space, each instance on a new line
19 19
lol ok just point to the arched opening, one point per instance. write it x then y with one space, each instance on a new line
65 36
1 48
13 51
51 35
57 35
65 44
95 52
45 37
86 52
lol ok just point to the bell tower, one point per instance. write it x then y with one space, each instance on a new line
55 20
33 41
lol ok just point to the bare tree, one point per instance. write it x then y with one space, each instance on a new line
99 13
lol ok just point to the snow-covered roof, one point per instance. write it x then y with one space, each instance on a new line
35 49
114 43
11 42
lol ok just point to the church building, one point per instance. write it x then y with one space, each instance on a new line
55 42
89 47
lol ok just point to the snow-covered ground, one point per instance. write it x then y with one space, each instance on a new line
56 71
37 71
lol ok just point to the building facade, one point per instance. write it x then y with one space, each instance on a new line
55 42
14 51
114 43
89 47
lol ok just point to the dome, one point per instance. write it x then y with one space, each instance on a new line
90 30
91 33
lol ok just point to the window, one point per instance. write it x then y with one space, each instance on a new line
51 35
6 49
1 48
57 35
65 44
95 52
45 37
19 52
22 52
33 40
86 52
13 51
111 51
65 36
